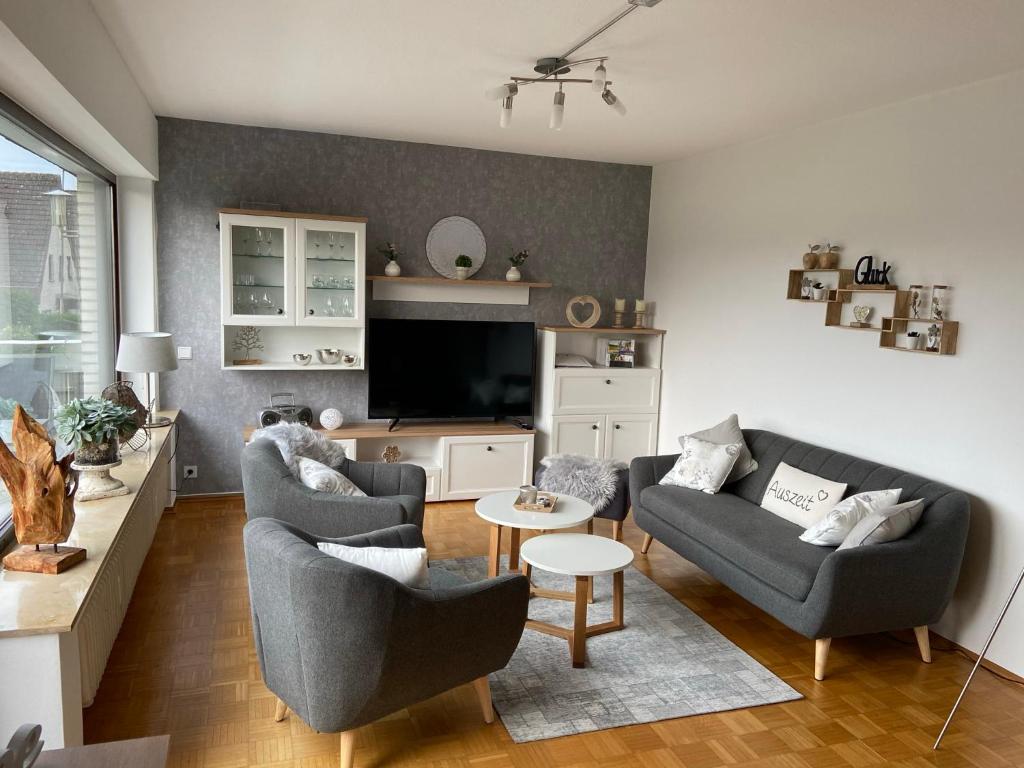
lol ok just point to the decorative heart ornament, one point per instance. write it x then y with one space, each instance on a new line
575 311
862 313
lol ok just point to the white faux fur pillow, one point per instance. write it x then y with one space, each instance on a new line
320 477
296 440
837 524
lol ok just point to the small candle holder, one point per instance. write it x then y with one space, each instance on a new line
618 320
641 314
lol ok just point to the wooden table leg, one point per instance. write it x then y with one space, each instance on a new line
579 625
590 589
618 588
494 552
590 526
513 549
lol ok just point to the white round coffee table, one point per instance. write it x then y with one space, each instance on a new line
497 510
582 556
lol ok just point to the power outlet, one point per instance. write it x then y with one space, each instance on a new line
191 471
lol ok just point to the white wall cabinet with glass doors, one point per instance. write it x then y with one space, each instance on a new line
291 284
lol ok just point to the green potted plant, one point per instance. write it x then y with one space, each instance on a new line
462 266
391 253
517 260
92 428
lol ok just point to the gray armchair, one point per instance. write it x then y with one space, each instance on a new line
395 494
342 646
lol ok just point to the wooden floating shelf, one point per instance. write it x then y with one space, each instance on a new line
450 282
291 215
415 429
894 326
603 329
796 277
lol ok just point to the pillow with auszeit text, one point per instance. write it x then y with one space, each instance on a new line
799 496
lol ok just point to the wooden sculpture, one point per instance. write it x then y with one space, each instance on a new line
42 496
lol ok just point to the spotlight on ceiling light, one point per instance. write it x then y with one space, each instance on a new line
557 111
506 112
600 78
502 92
613 101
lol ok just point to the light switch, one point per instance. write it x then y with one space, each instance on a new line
184 353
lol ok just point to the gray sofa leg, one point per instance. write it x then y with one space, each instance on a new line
821 646
617 530
923 644
280 712
648 539
483 693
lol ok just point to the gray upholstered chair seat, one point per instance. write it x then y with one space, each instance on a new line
341 645
752 539
395 494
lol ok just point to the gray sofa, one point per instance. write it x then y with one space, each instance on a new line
395 494
817 591
341 645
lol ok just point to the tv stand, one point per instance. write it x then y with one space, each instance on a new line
392 424
462 459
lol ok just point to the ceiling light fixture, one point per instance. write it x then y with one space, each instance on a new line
552 69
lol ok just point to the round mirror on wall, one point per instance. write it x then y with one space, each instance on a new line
450 237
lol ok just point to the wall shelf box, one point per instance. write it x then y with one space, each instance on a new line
300 279
838 309
796 276
443 289
896 326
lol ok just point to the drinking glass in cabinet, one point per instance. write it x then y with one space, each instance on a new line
346 306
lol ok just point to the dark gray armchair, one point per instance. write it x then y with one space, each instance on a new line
395 494
342 646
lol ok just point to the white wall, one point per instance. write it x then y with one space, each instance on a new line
59 63
935 186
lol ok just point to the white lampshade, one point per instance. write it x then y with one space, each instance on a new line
146 352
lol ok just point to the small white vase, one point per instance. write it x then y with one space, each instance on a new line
513 275
392 269
461 273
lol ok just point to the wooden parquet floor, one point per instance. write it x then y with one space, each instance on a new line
184 664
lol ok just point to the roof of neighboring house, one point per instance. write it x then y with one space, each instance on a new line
25 229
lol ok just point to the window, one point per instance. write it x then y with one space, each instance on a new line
57 305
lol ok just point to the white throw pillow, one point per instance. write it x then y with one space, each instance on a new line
702 465
885 525
408 566
729 433
837 524
320 477
799 496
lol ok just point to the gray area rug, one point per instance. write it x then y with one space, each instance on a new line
666 663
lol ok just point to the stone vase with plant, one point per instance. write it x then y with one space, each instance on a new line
516 260
462 266
391 253
92 427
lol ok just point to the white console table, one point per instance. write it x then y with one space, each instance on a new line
463 460
56 631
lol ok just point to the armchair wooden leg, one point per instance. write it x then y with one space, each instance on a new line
483 692
821 646
348 748
648 540
617 530
923 644
281 712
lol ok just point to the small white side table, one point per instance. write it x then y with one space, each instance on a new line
497 510
582 556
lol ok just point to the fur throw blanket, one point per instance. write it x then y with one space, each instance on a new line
296 441
584 477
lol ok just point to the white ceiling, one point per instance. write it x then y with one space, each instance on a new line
694 74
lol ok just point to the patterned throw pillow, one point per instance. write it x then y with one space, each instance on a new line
837 524
799 496
702 466
727 433
885 525
320 477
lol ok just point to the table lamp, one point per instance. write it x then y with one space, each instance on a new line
148 352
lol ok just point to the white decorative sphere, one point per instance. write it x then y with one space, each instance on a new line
331 418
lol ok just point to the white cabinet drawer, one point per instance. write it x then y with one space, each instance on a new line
476 466
593 391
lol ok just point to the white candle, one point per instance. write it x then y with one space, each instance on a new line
641 305
620 305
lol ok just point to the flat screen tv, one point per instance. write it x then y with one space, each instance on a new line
443 369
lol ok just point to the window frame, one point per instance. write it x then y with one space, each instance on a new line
57 149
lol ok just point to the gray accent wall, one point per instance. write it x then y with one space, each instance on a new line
585 225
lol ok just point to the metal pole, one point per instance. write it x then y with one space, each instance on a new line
981 656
